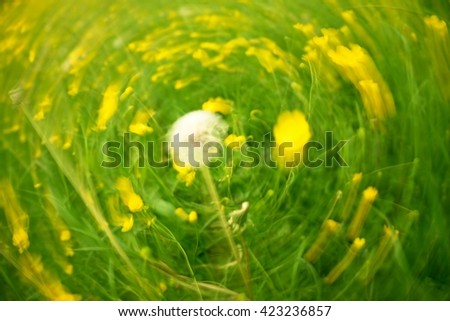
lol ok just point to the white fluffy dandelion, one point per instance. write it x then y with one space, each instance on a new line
195 136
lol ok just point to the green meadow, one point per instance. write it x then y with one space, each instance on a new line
76 75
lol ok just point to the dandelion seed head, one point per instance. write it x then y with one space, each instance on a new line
199 127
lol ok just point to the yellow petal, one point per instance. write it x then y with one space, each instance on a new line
218 105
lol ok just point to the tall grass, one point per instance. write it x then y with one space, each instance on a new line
62 62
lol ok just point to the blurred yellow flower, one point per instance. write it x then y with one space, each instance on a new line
233 141
17 218
184 82
355 248
437 42
186 173
139 124
109 106
436 24
48 284
357 66
328 230
218 105
119 219
191 217
128 91
307 29
291 132
369 196
132 200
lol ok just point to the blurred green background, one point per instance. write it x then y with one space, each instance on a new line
76 74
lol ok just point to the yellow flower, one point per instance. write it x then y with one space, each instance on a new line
437 42
306 29
15 215
132 200
162 286
355 248
233 141
47 283
218 105
369 196
109 106
127 224
139 124
436 24
44 107
181 83
65 235
291 133
128 91
372 99
271 58
384 248
117 218
328 229
191 217
186 174
354 185
357 66
20 240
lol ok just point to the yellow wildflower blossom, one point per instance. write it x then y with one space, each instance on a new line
360 31
127 92
354 185
47 283
191 217
357 66
369 196
34 176
134 79
15 215
74 86
207 61
384 248
65 235
139 124
108 107
436 24
271 58
162 286
117 218
68 269
372 99
132 200
186 173
229 46
162 71
233 141
57 223
218 105
181 83
68 141
438 43
329 228
291 133
211 46
354 249
43 108
306 29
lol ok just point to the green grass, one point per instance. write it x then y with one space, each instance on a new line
60 58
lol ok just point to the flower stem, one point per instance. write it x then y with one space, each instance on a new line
223 221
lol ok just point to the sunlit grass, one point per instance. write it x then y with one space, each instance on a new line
75 75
